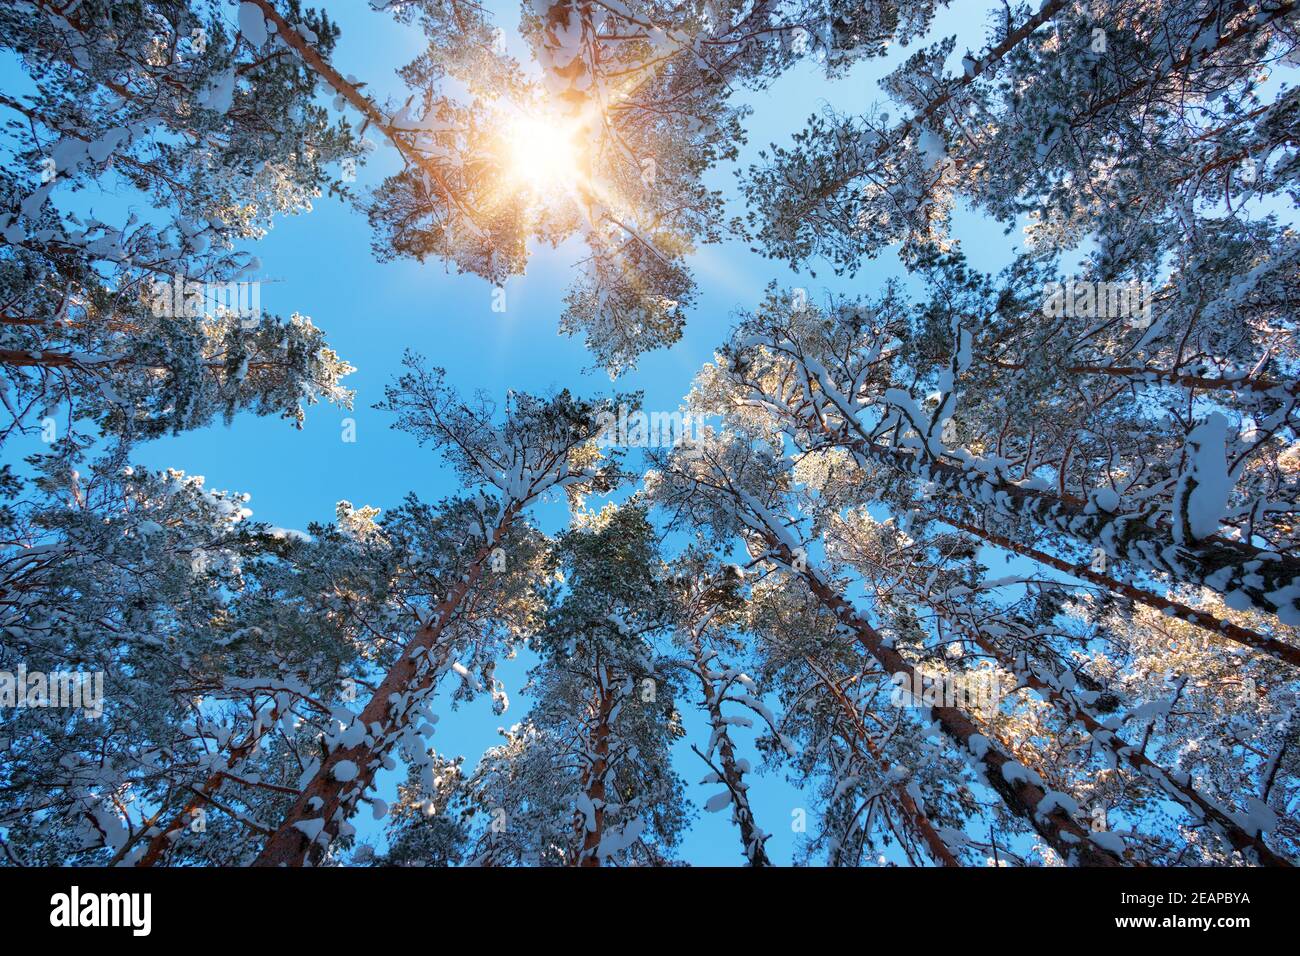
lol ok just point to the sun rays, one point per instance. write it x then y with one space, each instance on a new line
543 153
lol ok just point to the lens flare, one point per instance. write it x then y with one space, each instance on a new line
543 153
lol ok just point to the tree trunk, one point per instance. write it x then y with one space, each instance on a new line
1133 756
406 683
1022 797
1224 629
915 816
593 780
732 775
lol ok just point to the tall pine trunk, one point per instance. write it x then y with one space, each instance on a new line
1003 774
593 778
327 800
732 775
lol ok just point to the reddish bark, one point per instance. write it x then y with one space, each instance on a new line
916 819
1133 756
1224 629
1022 797
413 673
593 779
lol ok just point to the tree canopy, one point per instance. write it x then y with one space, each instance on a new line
990 566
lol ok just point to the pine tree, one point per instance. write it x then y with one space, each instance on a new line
426 826
542 446
1073 113
736 486
710 618
598 737
643 94
158 589
996 568
154 324
831 380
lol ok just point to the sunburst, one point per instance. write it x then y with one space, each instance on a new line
544 155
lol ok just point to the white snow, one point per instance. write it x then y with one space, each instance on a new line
1205 485
252 24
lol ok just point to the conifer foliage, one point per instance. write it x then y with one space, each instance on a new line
967 566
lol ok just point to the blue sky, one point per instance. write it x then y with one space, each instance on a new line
322 266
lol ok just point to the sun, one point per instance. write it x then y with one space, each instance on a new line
543 153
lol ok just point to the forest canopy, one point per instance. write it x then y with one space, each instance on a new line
945 565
